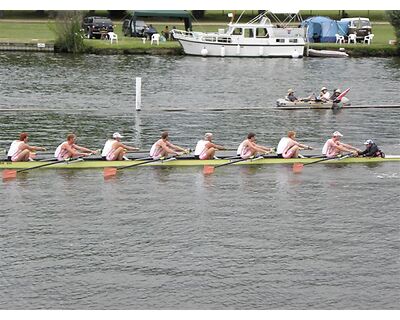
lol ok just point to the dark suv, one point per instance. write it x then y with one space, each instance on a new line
133 28
94 27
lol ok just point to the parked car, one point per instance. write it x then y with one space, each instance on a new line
360 26
94 27
133 28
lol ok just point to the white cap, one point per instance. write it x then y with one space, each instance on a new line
290 91
369 141
116 135
337 134
323 88
338 91
208 134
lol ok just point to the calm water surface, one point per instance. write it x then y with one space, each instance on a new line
159 238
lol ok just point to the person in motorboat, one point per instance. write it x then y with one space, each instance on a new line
333 147
288 147
162 148
205 148
69 149
324 95
291 97
248 148
114 149
372 150
20 150
335 95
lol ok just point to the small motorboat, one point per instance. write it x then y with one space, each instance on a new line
327 53
311 104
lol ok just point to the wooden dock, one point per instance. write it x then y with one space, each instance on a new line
27 46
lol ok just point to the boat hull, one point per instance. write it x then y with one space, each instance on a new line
288 105
93 164
200 48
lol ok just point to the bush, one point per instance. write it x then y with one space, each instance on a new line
69 35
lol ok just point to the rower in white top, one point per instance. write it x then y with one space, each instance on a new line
69 149
333 147
289 148
248 148
163 147
114 149
20 150
205 148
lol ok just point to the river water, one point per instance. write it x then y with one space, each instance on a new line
255 237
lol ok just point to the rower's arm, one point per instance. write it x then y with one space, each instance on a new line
176 147
349 147
32 148
129 147
83 149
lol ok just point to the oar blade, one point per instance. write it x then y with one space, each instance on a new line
109 172
298 167
9 174
208 170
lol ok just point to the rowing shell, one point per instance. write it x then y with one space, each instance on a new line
88 164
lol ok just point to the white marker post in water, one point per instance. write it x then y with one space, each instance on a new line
138 93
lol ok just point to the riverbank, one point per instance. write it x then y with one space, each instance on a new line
173 48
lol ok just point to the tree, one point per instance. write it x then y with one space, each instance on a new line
69 35
394 18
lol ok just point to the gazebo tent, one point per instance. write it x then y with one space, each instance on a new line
181 14
323 29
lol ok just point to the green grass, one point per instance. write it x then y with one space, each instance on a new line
25 32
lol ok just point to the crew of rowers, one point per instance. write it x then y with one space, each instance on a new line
323 96
114 149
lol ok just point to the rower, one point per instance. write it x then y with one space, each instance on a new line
333 147
205 148
162 148
248 148
114 149
20 150
68 149
371 150
289 148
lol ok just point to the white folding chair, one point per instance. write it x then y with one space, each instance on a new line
352 38
339 38
155 38
368 38
113 37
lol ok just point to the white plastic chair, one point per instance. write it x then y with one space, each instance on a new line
155 38
112 36
368 38
339 38
352 38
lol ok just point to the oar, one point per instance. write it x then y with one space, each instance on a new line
298 167
210 169
112 171
9 174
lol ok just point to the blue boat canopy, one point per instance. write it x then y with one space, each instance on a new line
323 29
